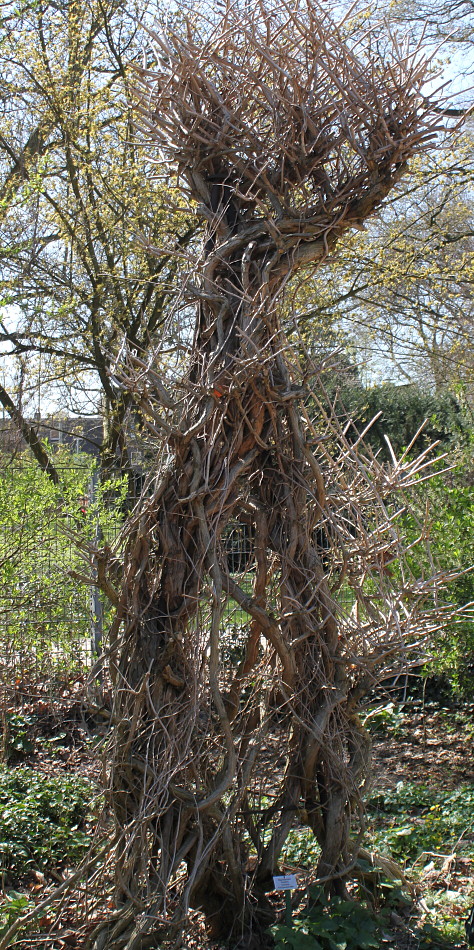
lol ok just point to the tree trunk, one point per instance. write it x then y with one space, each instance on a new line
236 692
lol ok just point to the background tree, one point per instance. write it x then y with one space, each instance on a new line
78 195
400 295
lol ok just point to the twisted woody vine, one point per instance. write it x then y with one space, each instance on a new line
284 131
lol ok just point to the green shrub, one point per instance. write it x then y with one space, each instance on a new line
329 925
45 610
42 821
301 848
388 718
448 500
16 735
12 906
413 818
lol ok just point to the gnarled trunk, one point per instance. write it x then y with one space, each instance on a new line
237 691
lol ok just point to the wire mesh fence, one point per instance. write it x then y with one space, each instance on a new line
51 614
53 618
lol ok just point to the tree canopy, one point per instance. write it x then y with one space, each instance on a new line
79 206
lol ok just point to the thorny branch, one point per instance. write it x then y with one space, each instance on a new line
239 671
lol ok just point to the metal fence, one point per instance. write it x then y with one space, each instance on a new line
51 618
52 615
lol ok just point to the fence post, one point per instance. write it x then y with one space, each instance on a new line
96 613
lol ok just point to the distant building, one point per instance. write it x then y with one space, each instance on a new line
80 433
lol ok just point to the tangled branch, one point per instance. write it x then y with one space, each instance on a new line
239 669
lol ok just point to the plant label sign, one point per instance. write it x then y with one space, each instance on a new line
285 882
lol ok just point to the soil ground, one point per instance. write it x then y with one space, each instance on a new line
434 746
427 745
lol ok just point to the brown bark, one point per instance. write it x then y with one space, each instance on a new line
192 755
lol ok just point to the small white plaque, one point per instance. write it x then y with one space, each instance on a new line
285 882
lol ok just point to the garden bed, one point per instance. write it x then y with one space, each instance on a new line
419 814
